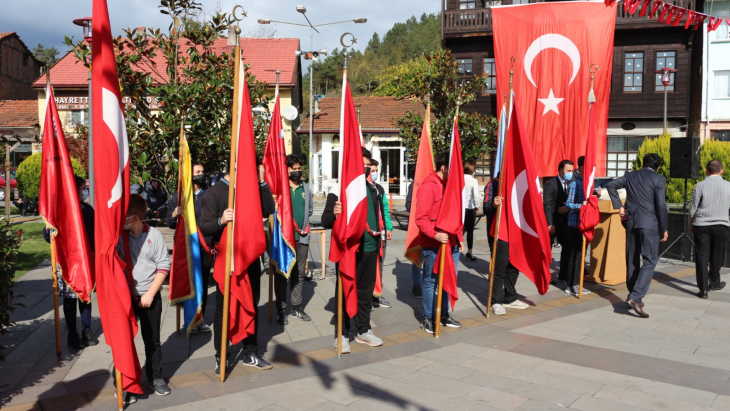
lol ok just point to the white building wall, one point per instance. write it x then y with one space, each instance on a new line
716 61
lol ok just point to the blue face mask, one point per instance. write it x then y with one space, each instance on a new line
375 176
568 176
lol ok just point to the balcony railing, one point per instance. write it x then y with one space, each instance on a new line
479 20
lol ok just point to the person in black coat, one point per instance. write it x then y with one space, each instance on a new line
173 210
554 197
214 217
645 218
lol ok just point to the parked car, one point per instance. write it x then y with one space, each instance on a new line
13 183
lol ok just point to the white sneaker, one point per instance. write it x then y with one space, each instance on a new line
517 304
203 328
498 309
369 338
586 291
345 344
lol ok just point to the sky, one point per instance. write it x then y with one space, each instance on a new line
48 21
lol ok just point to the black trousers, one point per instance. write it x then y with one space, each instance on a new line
250 344
572 262
563 235
149 323
367 264
642 253
710 253
505 275
206 263
296 279
69 313
470 219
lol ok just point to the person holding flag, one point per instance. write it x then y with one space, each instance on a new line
378 299
576 200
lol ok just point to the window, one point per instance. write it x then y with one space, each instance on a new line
79 116
722 84
720 135
467 4
465 69
633 72
620 153
490 84
722 33
665 59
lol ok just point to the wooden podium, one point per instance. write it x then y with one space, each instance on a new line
608 248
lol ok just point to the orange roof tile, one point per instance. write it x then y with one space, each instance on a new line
377 114
3 35
18 113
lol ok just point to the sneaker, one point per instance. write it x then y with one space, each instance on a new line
427 325
74 341
345 344
255 360
218 365
194 330
450 322
299 313
416 291
517 304
128 397
369 338
203 328
160 387
572 290
498 309
281 317
384 303
376 302
88 339
586 291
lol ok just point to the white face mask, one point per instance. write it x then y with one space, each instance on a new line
84 194
127 225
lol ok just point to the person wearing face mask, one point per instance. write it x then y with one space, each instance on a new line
554 198
378 299
200 185
302 206
69 297
156 197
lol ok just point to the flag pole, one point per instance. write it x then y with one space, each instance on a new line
491 260
120 392
271 269
231 204
179 199
591 100
501 186
56 315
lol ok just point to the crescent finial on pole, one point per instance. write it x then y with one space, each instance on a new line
591 94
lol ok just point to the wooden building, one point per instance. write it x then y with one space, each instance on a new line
18 68
641 46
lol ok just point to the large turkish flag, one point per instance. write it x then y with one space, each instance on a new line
554 45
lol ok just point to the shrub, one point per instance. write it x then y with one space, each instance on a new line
9 244
29 175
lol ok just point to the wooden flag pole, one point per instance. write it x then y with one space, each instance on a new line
56 315
591 100
271 269
437 318
339 313
582 268
177 318
120 392
499 207
231 204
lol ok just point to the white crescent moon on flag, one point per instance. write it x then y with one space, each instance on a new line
590 180
519 189
552 41
114 119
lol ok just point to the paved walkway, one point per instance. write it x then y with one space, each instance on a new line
589 354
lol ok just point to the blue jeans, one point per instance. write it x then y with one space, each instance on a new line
416 273
430 285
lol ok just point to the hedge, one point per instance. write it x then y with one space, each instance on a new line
29 175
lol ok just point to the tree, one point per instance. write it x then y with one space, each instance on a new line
49 56
445 89
29 175
194 88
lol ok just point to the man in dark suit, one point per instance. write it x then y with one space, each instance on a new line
554 197
645 218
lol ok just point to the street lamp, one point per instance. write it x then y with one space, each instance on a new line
308 55
85 23
666 78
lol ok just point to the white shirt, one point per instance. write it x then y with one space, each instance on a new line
471 192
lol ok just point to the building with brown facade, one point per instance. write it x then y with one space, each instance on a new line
18 69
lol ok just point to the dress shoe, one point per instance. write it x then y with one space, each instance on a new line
629 304
702 294
638 307
718 287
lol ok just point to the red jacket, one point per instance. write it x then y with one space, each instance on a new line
430 194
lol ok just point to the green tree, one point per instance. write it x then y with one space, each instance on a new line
29 175
47 55
10 241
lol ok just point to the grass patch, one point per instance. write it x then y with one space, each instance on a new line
34 248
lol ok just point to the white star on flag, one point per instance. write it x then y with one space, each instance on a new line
551 103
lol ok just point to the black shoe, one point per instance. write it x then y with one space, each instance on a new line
702 294
416 291
718 287
470 257
376 302
427 325
160 387
450 322
218 365
255 360
74 341
382 302
309 276
281 317
88 338
299 313
128 397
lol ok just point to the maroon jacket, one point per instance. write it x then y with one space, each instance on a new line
430 196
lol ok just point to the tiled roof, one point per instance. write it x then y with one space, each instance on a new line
18 113
377 114
264 56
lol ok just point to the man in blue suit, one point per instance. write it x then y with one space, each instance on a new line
645 218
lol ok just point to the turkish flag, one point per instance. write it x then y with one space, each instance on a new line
553 45
424 167
350 225
59 204
589 215
248 228
450 218
525 228
111 198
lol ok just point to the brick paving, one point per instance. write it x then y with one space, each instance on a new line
589 354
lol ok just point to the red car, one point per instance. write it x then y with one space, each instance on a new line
13 183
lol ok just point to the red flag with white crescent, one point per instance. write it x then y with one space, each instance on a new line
111 198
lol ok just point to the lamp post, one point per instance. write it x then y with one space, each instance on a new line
85 23
666 78
311 54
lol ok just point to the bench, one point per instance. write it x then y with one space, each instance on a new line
402 216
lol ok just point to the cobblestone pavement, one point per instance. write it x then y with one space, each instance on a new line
590 354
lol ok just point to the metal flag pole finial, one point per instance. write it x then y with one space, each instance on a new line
353 40
234 32
591 95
